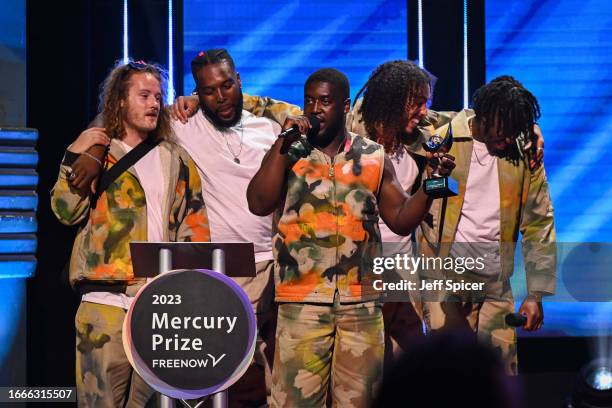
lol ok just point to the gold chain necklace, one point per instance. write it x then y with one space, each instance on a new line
235 156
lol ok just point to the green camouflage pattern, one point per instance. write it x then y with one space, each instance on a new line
104 376
319 345
525 207
101 249
486 319
328 232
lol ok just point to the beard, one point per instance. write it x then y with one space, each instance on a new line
217 122
327 137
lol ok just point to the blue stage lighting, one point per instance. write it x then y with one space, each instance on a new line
126 54
170 92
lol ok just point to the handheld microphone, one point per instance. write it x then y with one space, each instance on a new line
293 131
515 319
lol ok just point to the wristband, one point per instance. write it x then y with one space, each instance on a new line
93 157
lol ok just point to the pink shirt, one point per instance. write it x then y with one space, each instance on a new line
406 172
479 221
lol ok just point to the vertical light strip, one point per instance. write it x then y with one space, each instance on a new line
420 27
125 32
466 89
170 92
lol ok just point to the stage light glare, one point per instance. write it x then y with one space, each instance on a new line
594 386
600 379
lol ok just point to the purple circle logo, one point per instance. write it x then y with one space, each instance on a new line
190 333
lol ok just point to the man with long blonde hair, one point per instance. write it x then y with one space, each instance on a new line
130 205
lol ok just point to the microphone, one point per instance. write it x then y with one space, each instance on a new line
294 130
515 319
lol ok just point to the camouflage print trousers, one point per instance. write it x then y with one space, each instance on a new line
316 343
254 387
485 318
104 376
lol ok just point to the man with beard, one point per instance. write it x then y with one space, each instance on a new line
129 209
329 191
228 144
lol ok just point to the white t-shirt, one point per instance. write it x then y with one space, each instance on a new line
225 182
479 221
406 171
155 185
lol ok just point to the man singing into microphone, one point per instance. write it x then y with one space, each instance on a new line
329 198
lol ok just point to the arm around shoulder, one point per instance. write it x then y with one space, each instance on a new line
191 218
67 203
273 109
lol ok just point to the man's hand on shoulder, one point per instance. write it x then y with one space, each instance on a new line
184 107
88 138
538 158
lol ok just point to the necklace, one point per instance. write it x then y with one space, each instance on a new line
235 156
333 159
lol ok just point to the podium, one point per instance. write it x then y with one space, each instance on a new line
182 276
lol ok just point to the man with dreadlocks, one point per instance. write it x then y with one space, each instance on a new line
394 104
499 197
391 108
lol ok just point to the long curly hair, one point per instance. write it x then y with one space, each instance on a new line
114 89
392 87
506 100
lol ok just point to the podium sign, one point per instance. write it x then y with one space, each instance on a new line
190 333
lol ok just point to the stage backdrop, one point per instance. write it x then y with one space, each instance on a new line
277 44
562 51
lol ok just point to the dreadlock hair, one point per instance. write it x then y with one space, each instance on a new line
332 76
507 78
392 87
114 90
506 100
212 56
